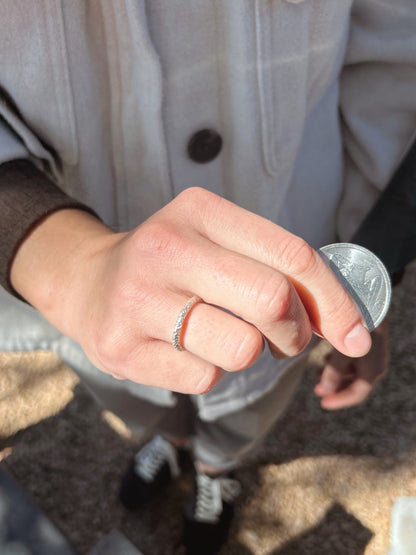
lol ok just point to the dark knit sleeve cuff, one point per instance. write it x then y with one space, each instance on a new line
27 196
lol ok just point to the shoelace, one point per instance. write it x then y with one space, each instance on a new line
211 492
149 460
230 489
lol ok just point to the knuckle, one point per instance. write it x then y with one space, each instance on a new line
112 351
246 351
192 195
297 338
108 354
196 378
211 377
198 203
193 200
274 299
160 239
302 339
157 236
296 256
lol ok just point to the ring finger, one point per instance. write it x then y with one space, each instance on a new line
210 333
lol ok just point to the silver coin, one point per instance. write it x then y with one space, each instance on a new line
364 276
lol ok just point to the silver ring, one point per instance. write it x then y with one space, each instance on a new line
176 336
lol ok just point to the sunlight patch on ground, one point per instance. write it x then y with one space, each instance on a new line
33 386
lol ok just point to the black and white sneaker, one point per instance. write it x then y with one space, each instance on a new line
208 517
152 468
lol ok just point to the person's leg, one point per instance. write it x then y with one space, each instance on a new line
144 418
157 462
218 447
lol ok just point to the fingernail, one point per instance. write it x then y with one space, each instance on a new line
358 341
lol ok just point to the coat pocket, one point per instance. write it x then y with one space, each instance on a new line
34 70
300 46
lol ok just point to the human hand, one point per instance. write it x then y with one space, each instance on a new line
345 382
119 295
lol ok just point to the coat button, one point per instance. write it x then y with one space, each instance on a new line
204 146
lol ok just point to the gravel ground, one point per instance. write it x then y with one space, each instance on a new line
322 484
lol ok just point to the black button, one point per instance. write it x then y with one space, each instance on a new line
204 146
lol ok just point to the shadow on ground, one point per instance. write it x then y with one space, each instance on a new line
349 534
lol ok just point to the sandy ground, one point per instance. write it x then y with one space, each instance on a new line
322 484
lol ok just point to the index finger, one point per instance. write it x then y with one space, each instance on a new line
332 312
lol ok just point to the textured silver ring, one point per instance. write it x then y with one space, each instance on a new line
176 336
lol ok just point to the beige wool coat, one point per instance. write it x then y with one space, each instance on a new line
315 101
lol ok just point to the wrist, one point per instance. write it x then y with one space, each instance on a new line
52 264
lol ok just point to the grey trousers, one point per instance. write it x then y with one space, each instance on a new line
221 443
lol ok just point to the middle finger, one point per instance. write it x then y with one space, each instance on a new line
253 291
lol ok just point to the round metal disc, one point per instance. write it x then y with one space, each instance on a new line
364 276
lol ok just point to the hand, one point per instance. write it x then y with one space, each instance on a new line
345 382
119 294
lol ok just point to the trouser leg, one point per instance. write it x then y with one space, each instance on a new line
224 442
221 443
142 417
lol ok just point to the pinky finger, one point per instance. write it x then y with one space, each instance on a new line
177 371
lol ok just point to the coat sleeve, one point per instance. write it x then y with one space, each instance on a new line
27 193
377 102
